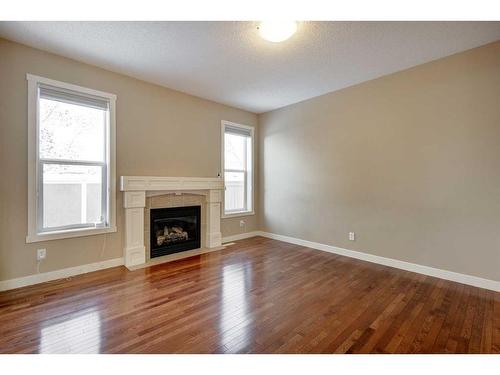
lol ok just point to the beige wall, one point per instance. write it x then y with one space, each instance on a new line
410 162
159 132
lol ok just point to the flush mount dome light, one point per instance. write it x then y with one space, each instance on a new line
277 31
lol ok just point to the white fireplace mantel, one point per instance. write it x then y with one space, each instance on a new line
135 189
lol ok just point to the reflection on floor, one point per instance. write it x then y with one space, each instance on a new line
234 308
79 333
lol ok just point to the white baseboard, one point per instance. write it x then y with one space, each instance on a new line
240 236
425 270
59 274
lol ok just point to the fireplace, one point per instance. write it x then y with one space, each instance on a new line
174 230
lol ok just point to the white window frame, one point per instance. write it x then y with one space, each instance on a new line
34 212
252 172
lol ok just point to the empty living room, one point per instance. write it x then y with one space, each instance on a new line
224 185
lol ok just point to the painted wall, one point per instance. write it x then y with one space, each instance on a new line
409 161
159 132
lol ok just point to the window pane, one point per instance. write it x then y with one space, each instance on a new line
71 195
72 132
235 151
235 191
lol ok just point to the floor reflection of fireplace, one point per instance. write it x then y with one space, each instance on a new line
174 230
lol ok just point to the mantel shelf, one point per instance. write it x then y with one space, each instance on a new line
155 183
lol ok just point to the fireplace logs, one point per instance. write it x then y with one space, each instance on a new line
169 235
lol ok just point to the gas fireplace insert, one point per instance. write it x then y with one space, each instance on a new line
174 230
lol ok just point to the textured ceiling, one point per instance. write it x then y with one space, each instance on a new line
229 63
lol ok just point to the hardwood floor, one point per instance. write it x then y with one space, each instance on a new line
257 296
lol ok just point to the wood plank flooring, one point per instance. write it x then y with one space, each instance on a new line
257 296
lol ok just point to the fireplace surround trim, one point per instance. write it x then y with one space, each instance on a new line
135 189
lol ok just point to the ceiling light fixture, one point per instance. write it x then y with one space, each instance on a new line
277 31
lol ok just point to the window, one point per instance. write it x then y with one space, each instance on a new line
71 160
237 164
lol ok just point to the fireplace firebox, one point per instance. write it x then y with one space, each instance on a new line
174 230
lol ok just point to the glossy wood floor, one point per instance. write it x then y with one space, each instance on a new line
257 296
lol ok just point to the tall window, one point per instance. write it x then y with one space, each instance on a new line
71 159
238 168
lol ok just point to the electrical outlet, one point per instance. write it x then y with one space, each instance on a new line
242 223
41 254
352 236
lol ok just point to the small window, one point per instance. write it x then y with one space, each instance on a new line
238 168
71 161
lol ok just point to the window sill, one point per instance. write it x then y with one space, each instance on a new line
237 214
71 233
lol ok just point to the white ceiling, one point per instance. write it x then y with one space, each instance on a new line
229 63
